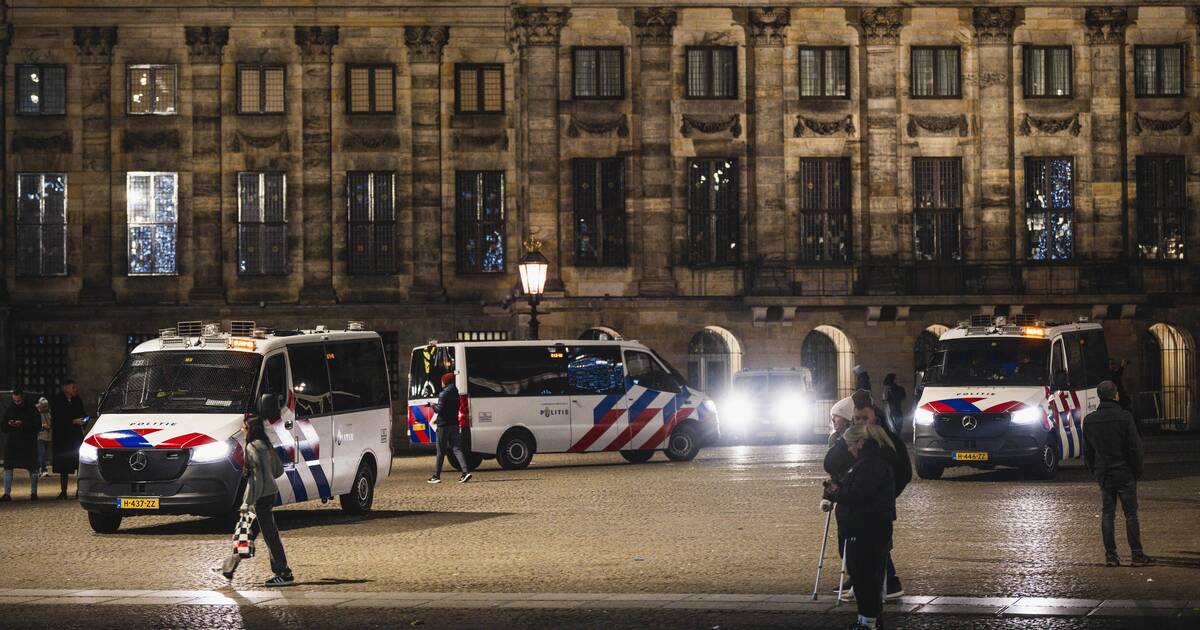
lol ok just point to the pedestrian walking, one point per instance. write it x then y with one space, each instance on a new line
893 401
866 508
43 445
838 460
862 378
260 468
449 435
1112 451
1116 374
67 418
22 424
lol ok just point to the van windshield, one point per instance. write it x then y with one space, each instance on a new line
204 381
995 361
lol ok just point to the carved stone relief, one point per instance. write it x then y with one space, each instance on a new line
690 123
1182 124
940 125
823 128
619 125
243 141
1049 125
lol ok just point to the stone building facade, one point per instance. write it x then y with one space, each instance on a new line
792 264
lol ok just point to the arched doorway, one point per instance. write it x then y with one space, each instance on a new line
714 355
827 354
923 353
600 333
1168 371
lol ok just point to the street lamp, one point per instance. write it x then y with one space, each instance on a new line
533 268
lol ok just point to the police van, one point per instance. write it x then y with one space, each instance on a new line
569 396
773 404
1012 393
169 439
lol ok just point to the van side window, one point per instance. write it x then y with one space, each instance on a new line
1057 360
310 380
516 371
274 379
645 371
595 370
1095 357
426 369
1075 370
357 374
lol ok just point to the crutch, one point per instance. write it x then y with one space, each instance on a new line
842 575
821 561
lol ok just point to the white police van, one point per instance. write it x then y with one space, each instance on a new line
169 439
773 404
1012 393
568 396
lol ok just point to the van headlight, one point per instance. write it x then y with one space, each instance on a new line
209 453
88 454
1032 415
923 417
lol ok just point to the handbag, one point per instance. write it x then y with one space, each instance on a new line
243 535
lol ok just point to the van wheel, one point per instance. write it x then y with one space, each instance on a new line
473 461
682 446
637 457
1045 466
104 522
929 470
515 452
362 491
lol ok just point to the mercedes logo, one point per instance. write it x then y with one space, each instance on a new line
138 461
969 423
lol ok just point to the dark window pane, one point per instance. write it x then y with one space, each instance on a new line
1049 202
274 379
310 380
516 371
713 211
595 370
825 206
480 221
609 70
585 73
1161 206
810 72
599 211
697 72
1145 73
357 374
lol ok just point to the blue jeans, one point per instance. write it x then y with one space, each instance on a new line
8 477
43 446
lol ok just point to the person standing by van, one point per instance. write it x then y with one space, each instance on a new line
893 399
866 508
449 436
260 468
66 415
22 424
1112 451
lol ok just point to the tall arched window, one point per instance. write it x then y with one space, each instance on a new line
714 355
1168 371
827 353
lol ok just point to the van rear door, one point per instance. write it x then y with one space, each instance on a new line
596 380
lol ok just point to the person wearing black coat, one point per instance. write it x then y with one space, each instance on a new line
893 399
1112 451
449 434
66 424
866 508
22 422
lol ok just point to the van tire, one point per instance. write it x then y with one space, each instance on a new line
683 445
637 457
104 522
362 491
515 451
929 470
473 461
1045 465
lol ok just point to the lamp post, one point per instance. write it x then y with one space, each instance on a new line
533 267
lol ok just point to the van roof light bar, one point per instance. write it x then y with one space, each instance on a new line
354 326
189 329
241 328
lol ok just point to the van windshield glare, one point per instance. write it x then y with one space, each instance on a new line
996 361
204 381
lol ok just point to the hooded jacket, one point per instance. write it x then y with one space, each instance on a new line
838 458
1111 442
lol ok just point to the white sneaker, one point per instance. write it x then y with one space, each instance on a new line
848 595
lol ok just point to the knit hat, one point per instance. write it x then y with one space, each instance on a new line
843 408
43 401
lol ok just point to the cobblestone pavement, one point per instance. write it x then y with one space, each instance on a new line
736 520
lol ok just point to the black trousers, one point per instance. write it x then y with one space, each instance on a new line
866 561
449 438
1113 486
265 520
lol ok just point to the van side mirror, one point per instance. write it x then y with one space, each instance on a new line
1059 381
268 407
99 402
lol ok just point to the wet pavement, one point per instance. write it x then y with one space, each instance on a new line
737 520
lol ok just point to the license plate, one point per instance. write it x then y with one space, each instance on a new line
138 504
970 457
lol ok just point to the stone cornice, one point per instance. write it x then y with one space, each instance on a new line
767 25
539 26
1106 25
994 25
881 26
95 43
206 43
655 26
425 43
316 42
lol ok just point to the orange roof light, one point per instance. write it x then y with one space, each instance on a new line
1033 332
243 344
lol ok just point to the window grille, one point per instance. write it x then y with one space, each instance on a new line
1161 206
41 89
43 362
479 88
371 89
372 222
713 197
480 221
1050 207
41 224
824 72
261 89
1048 71
825 210
262 224
1158 70
152 89
935 72
598 72
599 212
711 72
937 209
152 214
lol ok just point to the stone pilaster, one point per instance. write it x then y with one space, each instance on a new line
95 184
767 34
537 32
652 170
425 45
1106 38
997 227
880 233
6 32
206 45
316 51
